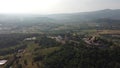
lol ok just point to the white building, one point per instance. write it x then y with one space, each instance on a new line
2 62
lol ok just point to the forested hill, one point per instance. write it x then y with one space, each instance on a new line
59 18
83 16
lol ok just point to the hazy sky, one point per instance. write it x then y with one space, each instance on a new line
56 6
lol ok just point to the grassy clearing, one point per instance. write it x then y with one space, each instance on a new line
109 31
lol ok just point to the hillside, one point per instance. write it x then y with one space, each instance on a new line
85 16
59 18
75 40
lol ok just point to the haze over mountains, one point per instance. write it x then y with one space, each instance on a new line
61 18
69 40
106 13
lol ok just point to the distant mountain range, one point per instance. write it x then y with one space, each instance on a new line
62 18
84 16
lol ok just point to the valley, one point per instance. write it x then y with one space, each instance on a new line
78 40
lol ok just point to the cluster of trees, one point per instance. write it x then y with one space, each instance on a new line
44 41
82 57
11 43
73 54
9 40
79 55
11 51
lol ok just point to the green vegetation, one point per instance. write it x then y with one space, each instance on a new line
63 41
47 52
